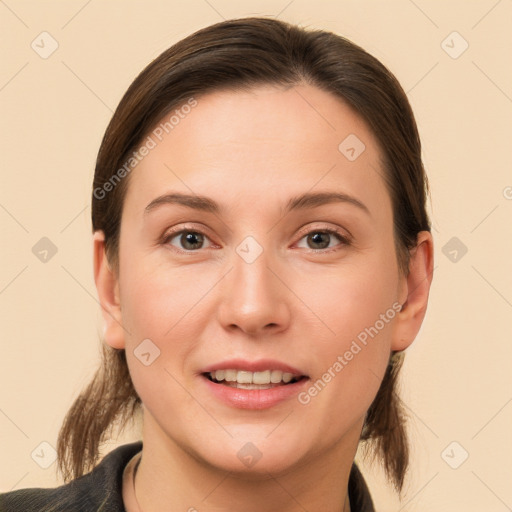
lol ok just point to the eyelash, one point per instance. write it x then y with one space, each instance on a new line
345 241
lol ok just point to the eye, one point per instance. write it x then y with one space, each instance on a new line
188 240
319 239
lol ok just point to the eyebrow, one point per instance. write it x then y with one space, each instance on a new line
300 202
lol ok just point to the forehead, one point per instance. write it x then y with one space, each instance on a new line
267 140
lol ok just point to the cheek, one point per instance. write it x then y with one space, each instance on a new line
356 308
355 324
161 301
350 298
166 305
158 310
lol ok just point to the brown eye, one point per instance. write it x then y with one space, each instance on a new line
320 239
187 240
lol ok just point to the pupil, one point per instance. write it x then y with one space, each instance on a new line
191 238
316 238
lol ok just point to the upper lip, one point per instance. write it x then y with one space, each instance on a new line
253 366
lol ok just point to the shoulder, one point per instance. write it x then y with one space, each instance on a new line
99 490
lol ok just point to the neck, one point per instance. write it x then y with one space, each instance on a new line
168 478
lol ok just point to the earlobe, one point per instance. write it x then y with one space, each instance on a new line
410 317
107 286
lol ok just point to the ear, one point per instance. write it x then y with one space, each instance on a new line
107 285
416 288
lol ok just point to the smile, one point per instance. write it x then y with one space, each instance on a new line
253 385
243 379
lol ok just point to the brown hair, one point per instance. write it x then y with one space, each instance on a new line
239 54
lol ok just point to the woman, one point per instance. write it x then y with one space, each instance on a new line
263 257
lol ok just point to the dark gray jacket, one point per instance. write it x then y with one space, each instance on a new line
101 489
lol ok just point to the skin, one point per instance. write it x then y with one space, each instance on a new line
297 303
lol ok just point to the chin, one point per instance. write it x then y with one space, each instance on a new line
254 458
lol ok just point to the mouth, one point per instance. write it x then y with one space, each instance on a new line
252 384
243 379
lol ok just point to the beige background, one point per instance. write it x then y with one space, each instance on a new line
457 382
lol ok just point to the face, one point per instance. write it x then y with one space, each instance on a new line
263 282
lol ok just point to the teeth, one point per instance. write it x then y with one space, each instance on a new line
230 375
287 377
261 377
256 378
276 376
244 377
250 386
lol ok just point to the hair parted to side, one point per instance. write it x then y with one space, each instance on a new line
235 55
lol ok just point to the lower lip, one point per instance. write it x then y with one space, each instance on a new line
254 398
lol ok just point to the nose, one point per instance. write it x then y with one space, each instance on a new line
255 298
